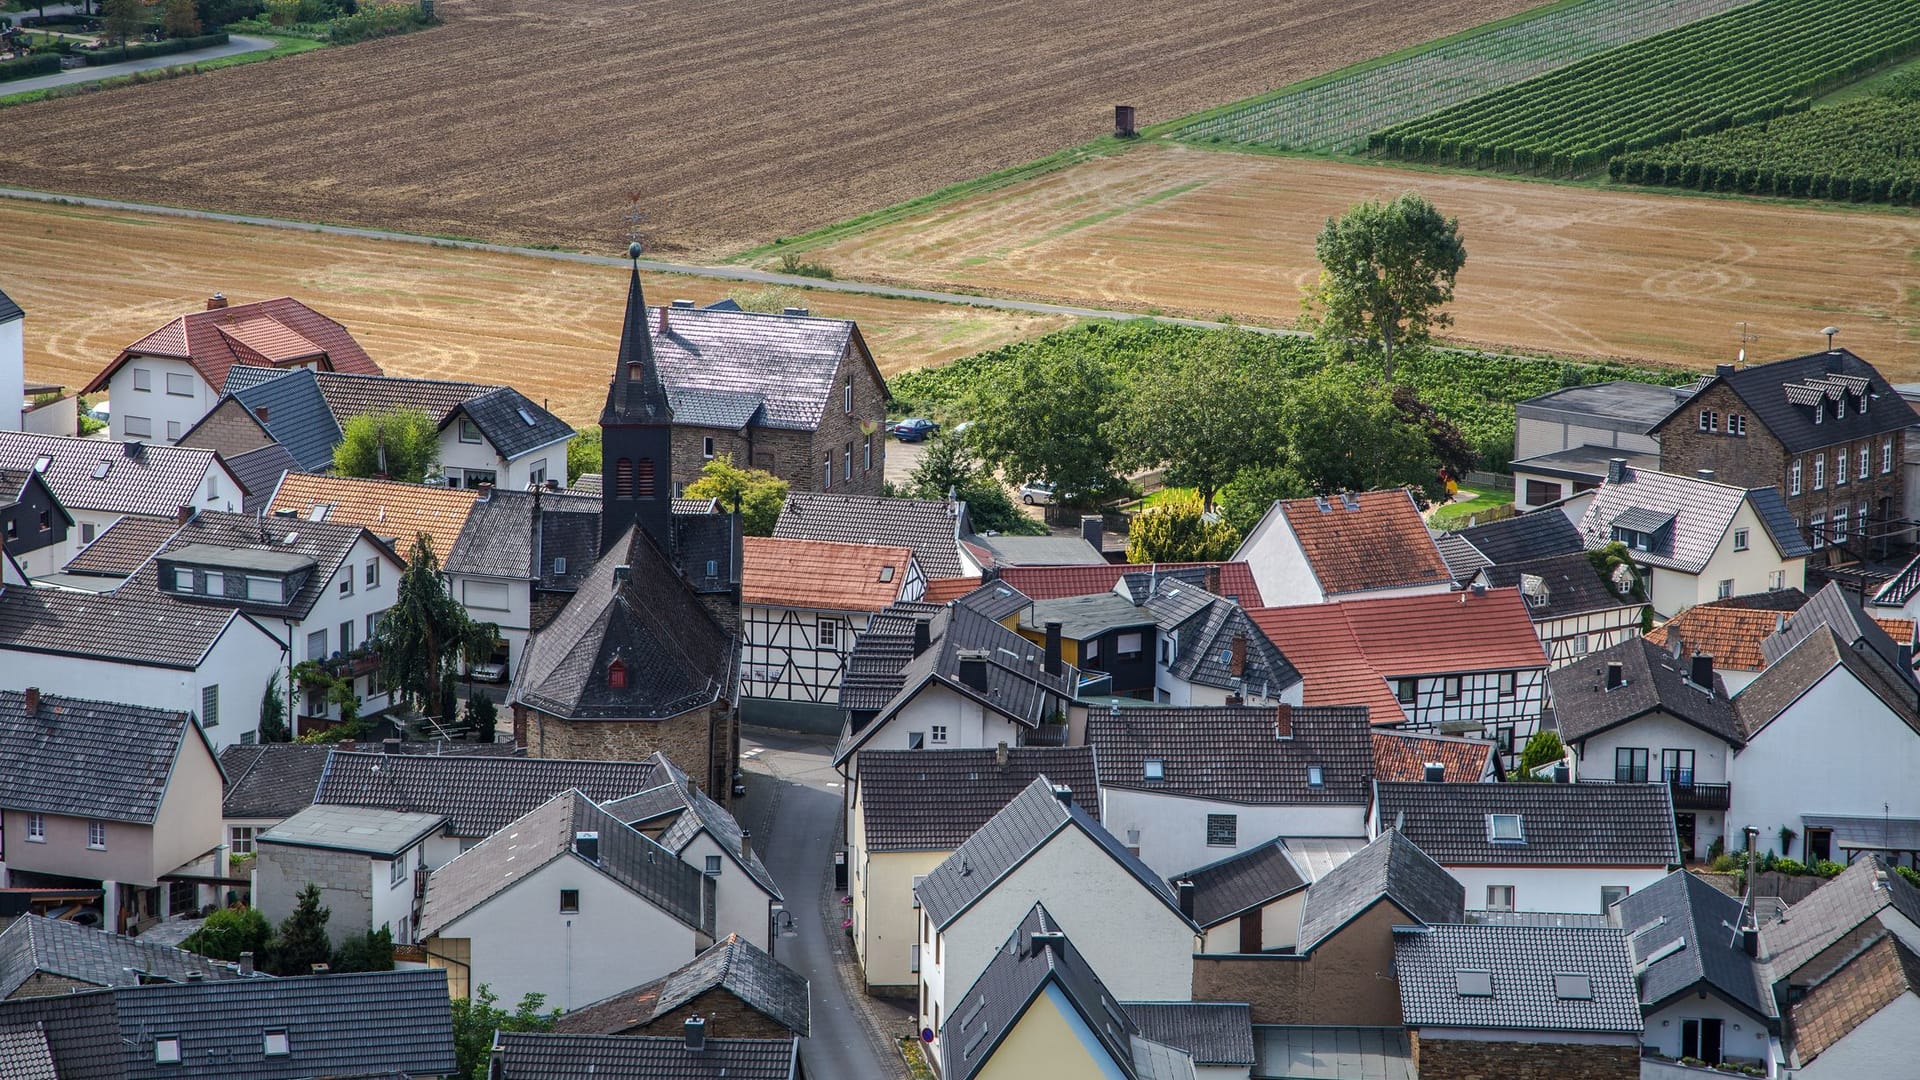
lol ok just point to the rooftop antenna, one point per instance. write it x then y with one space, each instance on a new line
1830 331
1747 337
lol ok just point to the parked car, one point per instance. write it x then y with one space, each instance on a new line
914 429
1035 493
101 411
490 673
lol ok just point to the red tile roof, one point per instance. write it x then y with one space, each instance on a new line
1732 635
1380 543
1403 755
268 333
941 590
1056 582
1348 650
821 575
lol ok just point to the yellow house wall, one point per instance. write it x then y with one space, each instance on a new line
890 922
1044 1043
1069 648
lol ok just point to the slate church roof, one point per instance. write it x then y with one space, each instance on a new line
1683 931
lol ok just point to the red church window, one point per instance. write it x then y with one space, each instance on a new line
623 478
616 676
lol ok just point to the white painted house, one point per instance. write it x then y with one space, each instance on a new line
365 861
1704 996
1345 546
13 363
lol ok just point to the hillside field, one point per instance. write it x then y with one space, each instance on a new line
537 123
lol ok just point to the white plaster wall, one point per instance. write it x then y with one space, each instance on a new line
1663 1032
393 903
13 372
968 723
515 620
741 906
331 609
1537 435
1279 927
457 456
1173 828
1885 1045
522 943
155 403
1750 570
1520 478
1837 750
1279 566
1654 733
1571 889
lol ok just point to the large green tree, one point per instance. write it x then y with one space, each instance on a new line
1179 530
426 635
1049 416
476 1019
758 493
1206 415
403 444
121 20
1386 271
583 453
302 941
1342 434
948 464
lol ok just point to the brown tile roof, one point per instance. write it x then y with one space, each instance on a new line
1732 634
1849 997
348 396
386 508
1368 540
821 575
1403 755
268 333
121 549
941 590
1056 582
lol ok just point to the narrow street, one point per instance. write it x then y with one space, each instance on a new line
793 803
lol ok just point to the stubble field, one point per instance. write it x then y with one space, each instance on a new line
93 281
534 123
1574 270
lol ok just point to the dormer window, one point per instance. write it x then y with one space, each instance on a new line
1819 411
1505 829
617 675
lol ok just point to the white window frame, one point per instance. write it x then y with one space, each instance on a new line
174 431
1709 420
713 866
1866 462
867 461
346 582
397 871
96 836
847 395
828 633
1740 539
1793 477
1725 589
826 464
937 733
467 426
1505 892
1820 472
1840 524
1736 424
240 839
1886 457
275 1042
166 1050
36 828
210 706
373 573
143 431
706 447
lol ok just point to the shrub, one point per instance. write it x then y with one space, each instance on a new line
229 932
791 264
1908 872
44 64
1789 867
144 49
1826 868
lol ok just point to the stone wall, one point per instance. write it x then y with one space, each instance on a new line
1453 1059
1344 981
345 880
229 430
700 742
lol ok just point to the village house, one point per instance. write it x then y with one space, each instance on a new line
547 1055
1406 755
42 957
908 810
1248 902
1233 580
1703 993
1516 539
1575 608
1537 847
519 559
737 991
1731 631
1343 547
31 520
101 795
1563 439
365 862
395 512
164 382
931 528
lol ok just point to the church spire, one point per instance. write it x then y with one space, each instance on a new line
636 433
636 394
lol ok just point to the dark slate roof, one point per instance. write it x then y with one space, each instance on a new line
1558 587
272 780
567 532
1792 675
739 967
123 546
296 414
1655 681
1463 559
1838 610
1007 840
1680 931
1250 754
1521 962
1779 523
260 472
172 633
1763 388
497 539
932 800
1524 538
140 478
81 1031
881 653
519 848
26 1055
1212 1032
511 421
479 794
1207 626
677 658
930 528
551 1056
788 361
9 310
1241 882
92 759
704 815
1020 970
351 395
326 543
33 943
1391 868
714 408
1831 912
1563 824
997 600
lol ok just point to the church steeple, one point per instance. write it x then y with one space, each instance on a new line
636 432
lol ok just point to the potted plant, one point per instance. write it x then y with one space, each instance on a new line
1786 840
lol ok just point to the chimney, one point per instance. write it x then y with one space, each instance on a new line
1479 588
683 304
486 492
183 515
1093 531
587 844
696 1030
216 301
1212 580
1616 674
1702 672
261 411
664 328
320 969
1053 648
1704 474
1434 773
1617 470
1000 755
1750 939
973 670
135 449
1237 656
1283 721
389 746
1049 941
1064 794
553 485
1561 774
1723 369
746 845
1185 890
795 312
32 701
246 963
922 636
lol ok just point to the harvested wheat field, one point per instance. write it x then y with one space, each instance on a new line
533 123
1564 269
92 281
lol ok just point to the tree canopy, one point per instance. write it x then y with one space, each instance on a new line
1049 416
758 493
948 465
1206 416
302 941
1386 270
583 453
476 1019
403 445
426 634
1341 434
1179 530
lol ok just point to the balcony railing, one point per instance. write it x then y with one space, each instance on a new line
1688 795
1048 735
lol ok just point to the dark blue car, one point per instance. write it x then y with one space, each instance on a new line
914 429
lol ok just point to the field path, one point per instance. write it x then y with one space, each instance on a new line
236 45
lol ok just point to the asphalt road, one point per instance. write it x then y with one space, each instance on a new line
797 774
236 44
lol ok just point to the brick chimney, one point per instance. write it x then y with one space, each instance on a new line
746 845
216 301
664 329
1213 580
1000 754
1237 659
32 702
1283 721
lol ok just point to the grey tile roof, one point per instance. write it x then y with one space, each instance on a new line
1655 681
498 541
739 967
137 478
1207 626
1702 511
519 848
1784 680
9 310
271 780
173 634
1334 1053
1007 840
1391 868
515 424
1213 1033
930 528
1241 882
551 1056
996 600
1683 930
703 815
1524 537
93 759
1249 754
295 413
1839 611
224 536
1020 970
260 472
876 666
1080 617
932 800
714 408
1762 388
1463 559
1563 824
33 943
80 1030
479 794
1559 587
1522 962
25 1055
567 532
365 830
1832 911
123 546
788 361
349 396
677 658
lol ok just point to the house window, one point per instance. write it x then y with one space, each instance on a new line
1630 765
826 467
397 871
346 636
1886 457
1819 411
86 532
559 565
1154 769
1508 683
706 447
1676 767
166 1050
1739 539
569 901
1817 525
97 835
142 379
1736 424
1777 581
1499 898
866 454
537 473
1129 646
346 583
37 828
1820 472
373 624
846 460
915 960
1450 688
1506 829
139 427
616 676
1839 524
1166 651
1725 590
829 633
1840 468
1709 420
179 384
317 645
939 733
846 396
469 431
1223 830
713 866
1840 408
240 839
1866 462
1793 478
1407 690
1611 895
173 431
210 706
1541 492
373 573
916 740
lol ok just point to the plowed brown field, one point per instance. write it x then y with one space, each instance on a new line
92 281
1564 269
533 122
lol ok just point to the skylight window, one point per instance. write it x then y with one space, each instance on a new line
273 1043
525 415
166 1050
886 574
1573 987
1473 983
1506 829
1155 769
1315 777
101 470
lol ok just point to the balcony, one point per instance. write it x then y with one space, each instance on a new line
1688 795
1048 735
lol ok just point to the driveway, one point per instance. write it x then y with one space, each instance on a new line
235 45
793 802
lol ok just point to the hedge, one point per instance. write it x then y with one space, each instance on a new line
142 50
45 64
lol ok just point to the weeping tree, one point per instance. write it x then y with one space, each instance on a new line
427 635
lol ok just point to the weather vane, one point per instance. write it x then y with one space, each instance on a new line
635 215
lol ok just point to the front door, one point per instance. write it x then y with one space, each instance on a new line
1683 825
1819 845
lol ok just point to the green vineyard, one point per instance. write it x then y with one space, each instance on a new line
1863 151
1750 64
